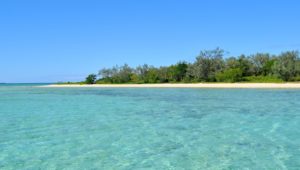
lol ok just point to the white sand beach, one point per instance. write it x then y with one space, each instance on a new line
194 85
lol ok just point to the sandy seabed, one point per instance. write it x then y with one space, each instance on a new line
186 85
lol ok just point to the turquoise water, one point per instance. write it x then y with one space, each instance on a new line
103 128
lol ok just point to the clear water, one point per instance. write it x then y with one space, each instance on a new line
102 128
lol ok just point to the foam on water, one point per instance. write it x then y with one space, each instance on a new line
126 128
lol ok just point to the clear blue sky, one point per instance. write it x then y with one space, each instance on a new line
64 40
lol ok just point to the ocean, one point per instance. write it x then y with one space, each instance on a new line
148 128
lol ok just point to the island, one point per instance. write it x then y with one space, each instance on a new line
209 70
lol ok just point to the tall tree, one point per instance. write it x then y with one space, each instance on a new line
207 64
287 65
261 63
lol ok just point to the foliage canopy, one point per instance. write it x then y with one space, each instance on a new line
209 66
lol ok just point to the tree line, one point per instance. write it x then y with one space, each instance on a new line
209 66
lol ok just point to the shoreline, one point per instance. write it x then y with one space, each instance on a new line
184 85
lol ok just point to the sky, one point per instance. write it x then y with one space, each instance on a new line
65 40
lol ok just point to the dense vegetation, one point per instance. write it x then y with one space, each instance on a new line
209 66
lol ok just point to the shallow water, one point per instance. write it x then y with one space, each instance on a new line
127 128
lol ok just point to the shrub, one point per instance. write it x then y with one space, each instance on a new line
263 79
230 75
297 78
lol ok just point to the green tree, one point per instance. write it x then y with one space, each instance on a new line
105 75
261 64
152 76
163 74
287 66
134 78
179 71
245 65
142 71
232 63
91 79
207 64
125 73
